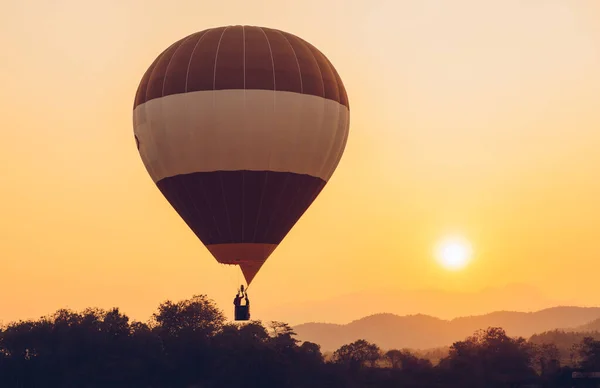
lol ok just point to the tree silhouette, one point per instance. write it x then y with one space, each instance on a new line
185 329
357 354
394 357
589 354
490 358
190 344
547 358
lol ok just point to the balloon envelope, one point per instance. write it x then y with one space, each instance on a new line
240 128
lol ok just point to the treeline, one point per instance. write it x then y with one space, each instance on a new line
190 344
567 343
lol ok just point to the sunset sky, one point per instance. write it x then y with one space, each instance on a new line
469 118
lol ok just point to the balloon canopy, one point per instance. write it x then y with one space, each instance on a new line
240 128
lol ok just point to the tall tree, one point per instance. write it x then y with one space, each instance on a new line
358 354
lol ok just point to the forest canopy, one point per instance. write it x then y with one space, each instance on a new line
190 343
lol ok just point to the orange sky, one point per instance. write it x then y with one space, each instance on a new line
473 118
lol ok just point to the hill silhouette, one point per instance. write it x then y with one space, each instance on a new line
592 326
420 331
437 303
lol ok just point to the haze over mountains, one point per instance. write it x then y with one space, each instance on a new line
589 327
423 332
430 319
441 304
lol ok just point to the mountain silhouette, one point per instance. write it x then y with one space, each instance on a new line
437 303
391 331
588 327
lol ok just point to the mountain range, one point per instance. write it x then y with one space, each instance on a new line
391 331
437 303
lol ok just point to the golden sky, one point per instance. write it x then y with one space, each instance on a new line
468 117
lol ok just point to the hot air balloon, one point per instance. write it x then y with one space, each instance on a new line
241 127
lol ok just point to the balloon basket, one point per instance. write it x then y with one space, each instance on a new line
242 313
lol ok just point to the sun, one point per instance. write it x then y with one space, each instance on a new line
454 253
